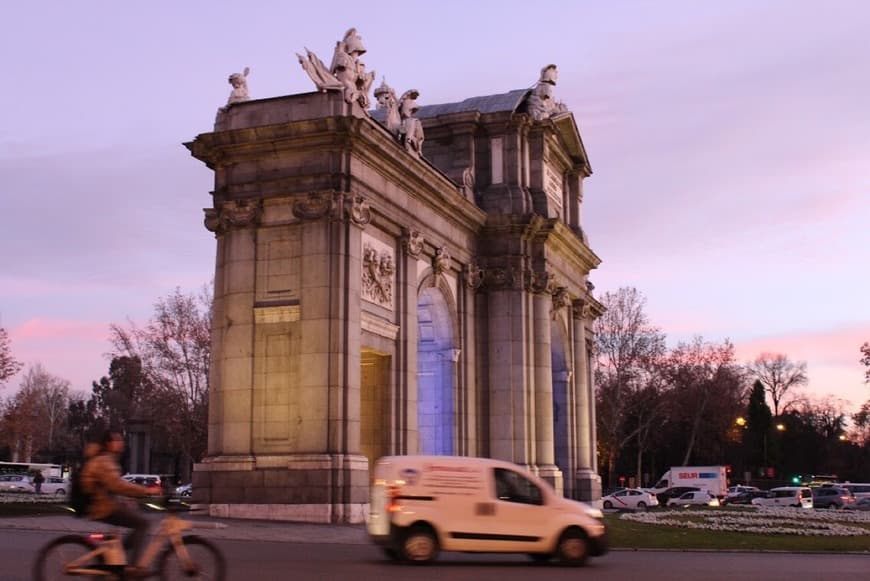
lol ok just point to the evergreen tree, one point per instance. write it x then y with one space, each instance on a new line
759 421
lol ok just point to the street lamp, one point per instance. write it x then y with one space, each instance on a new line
780 427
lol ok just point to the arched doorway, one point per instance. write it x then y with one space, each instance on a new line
435 373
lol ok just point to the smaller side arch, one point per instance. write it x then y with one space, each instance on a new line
437 354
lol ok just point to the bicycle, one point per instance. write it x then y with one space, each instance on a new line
102 555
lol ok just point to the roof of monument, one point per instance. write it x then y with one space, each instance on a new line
487 104
509 101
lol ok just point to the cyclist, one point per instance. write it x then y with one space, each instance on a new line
101 479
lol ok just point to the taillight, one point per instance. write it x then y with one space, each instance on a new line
393 503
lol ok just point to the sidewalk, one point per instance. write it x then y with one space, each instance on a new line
213 528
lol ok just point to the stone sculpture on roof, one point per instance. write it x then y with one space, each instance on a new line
541 104
385 95
239 81
400 120
346 72
412 128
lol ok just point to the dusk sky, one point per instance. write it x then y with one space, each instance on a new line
730 145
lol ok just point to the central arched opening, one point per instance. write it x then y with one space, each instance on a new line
435 372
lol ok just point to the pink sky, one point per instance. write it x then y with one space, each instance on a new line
729 143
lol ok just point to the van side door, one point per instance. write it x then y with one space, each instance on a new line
520 506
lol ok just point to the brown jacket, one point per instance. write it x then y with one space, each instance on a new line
101 478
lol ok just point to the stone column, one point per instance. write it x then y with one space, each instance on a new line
508 401
405 399
215 397
545 457
588 482
239 220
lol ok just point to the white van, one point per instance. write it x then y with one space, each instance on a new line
797 496
421 505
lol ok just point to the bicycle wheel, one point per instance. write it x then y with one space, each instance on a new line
53 557
206 559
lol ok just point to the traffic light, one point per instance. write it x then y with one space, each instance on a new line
796 479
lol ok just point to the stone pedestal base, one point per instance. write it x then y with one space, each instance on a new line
301 487
588 486
553 475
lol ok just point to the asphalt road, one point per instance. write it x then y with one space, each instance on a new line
264 561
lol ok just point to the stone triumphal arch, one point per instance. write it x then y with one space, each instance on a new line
393 278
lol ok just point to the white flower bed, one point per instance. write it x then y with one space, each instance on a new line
12 497
787 521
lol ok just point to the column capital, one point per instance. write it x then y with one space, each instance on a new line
233 214
412 241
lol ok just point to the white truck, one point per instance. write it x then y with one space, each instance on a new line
711 478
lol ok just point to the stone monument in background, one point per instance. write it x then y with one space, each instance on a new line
377 293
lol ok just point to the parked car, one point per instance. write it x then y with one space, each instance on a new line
696 497
672 492
183 491
797 496
16 483
740 489
144 479
832 497
744 497
859 489
861 504
55 485
629 498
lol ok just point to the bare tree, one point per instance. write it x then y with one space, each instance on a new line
52 395
865 361
779 375
34 415
628 348
9 366
708 388
175 351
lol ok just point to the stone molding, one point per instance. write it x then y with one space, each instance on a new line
538 282
277 314
233 214
586 308
358 210
441 260
378 326
412 241
377 275
561 298
499 278
474 276
316 205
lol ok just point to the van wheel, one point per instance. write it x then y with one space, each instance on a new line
608 504
573 549
420 545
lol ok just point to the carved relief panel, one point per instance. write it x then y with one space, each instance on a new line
378 272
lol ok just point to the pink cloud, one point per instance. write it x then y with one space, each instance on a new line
63 329
835 346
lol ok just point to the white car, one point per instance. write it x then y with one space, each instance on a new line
698 497
55 485
16 483
630 499
736 491
796 496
